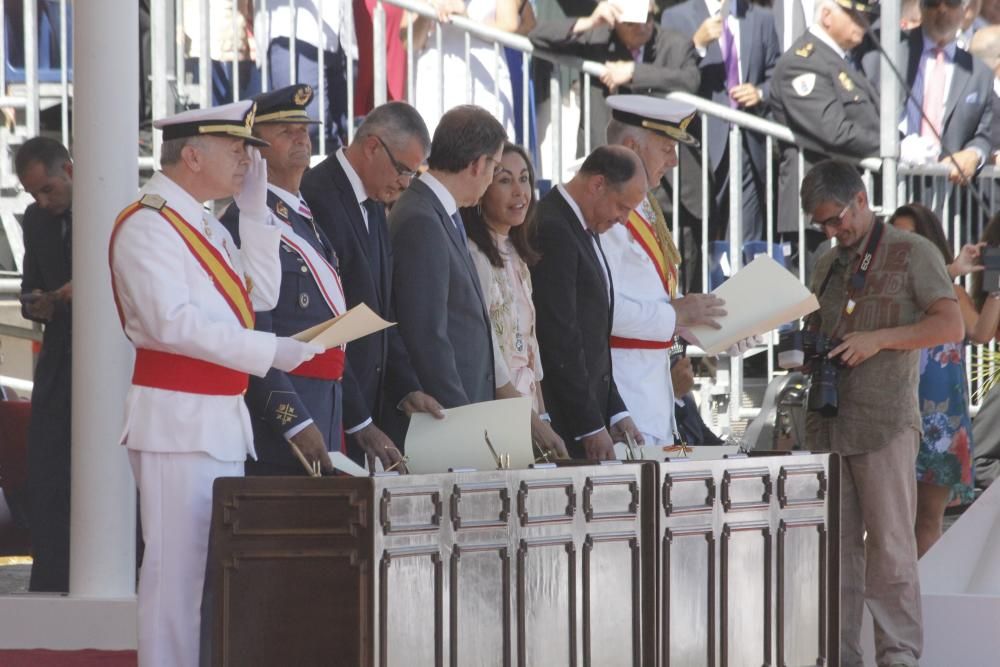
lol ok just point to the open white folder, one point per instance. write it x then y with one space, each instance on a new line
761 296
356 323
457 441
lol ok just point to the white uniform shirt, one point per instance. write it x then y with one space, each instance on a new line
643 312
170 304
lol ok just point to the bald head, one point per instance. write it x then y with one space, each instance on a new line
985 45
610 184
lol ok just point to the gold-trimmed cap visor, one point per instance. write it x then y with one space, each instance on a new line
228 120
285 105
666 117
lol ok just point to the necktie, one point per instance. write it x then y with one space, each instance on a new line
304 208
371 213
933 95
460 227
605 270
731 60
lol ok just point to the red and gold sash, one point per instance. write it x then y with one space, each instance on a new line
642 231
225 279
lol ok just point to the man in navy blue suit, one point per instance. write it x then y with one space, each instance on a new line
348 193
737 47
304 405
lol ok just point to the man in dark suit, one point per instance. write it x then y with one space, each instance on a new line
439 303
348 192
573 299
737 51
302 406
952 88
818 94
639 57
986 46
46 172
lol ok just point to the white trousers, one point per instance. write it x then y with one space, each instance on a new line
175 502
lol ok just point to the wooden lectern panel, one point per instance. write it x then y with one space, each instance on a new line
716 563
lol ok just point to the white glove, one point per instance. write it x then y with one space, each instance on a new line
915 150
252 197
289 353
744 345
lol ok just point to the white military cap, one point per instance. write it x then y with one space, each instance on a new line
227 120
655 114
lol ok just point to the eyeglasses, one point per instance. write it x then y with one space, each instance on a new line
835 221
401 169
931 4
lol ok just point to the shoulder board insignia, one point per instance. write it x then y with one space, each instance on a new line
846 82
281 210
152 201
805 51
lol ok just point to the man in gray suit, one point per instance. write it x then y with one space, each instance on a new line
952 88
439 304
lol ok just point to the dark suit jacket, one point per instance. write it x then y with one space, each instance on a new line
759 52
968 111
574 315
669 63
280 401
381 371
829 105
439 304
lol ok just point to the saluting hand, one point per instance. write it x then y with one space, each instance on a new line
252 197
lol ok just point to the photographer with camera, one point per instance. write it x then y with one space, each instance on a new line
884 294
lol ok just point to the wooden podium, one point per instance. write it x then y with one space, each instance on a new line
728 562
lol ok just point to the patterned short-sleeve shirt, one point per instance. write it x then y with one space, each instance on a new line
878 398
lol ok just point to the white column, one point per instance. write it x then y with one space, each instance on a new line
105 180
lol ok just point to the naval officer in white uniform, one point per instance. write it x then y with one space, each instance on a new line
186 296
644 265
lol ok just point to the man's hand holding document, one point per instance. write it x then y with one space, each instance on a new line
759 298
356 323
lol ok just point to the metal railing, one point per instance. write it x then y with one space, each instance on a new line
938 194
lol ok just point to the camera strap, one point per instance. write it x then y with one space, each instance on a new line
857 282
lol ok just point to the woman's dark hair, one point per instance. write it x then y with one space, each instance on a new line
520 236
991 235
926 224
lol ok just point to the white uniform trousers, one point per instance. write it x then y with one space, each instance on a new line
175 501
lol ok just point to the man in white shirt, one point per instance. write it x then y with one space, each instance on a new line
186 297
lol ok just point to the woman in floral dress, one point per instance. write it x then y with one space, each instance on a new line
944 462
499 231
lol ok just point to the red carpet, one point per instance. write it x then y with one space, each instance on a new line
87 658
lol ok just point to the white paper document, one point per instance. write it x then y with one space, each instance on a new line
356 323
457 441
632 11
342 463
761 296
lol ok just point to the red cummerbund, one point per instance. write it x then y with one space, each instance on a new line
174 372
326 366
636 344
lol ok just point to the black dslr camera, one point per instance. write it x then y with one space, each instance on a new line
798 348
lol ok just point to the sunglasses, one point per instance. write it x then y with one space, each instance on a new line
401 169
835 221
931 4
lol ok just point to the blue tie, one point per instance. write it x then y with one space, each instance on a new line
460 227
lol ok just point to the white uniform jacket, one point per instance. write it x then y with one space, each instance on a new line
169 304
643 312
